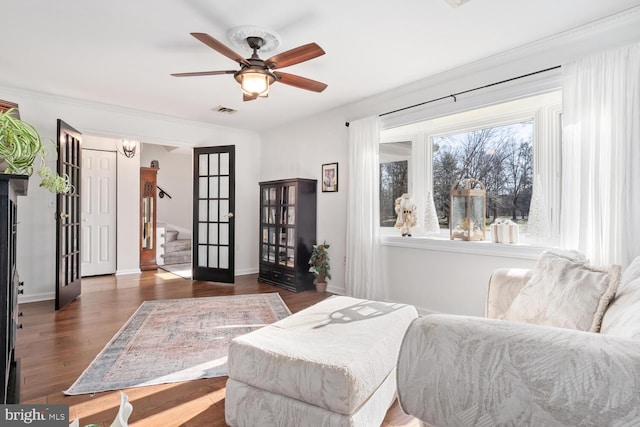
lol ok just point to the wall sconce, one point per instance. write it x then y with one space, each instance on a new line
127 148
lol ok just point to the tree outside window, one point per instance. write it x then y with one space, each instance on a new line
394 181
394 178
501 157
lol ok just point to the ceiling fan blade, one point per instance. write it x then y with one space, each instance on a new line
203 73
246 97
220 48
295 56
300 82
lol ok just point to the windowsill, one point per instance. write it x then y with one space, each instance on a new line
444 244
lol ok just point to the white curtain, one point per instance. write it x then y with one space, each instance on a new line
363 269
601 156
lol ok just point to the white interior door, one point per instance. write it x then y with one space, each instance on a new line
98 212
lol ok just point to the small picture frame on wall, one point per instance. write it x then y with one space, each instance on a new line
330 177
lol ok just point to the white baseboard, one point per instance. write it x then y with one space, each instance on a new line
129 271
246 271
47 296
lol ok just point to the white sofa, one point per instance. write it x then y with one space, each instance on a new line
469 371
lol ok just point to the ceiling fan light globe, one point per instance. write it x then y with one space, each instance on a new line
256 83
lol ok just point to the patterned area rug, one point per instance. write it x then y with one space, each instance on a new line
168 341
182 270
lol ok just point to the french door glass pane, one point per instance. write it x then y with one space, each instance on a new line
213 164
202 210
224 234
213 256
213 185
224 210
213 210
203 166
202 233
224 257
224 164
224 187
213 234
204 188
202 255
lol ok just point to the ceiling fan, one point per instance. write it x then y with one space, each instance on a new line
255 75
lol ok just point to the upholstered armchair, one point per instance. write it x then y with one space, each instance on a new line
504 370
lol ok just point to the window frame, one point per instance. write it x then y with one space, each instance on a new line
544 109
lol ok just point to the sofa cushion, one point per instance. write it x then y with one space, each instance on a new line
565 292
622 318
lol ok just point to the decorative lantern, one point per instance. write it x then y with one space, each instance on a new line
467 210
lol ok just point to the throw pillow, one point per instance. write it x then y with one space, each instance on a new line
565 292
622 318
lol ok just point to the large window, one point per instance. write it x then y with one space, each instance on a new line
508 147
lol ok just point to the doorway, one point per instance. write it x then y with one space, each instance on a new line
213 213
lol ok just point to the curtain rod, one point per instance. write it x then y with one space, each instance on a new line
454 95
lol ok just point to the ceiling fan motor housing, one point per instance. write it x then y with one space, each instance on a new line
255 43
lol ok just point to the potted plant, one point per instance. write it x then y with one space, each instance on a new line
319 263
20 149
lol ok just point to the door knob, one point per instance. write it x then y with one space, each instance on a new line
64 215
229 215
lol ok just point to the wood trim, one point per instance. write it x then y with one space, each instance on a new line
6 105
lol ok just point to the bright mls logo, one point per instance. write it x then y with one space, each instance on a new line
35 415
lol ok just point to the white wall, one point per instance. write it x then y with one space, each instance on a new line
36 229
299 151
434 281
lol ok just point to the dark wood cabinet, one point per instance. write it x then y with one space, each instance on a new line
11 186
287 232
148 182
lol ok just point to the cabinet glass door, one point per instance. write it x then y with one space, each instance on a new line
268 222
288 221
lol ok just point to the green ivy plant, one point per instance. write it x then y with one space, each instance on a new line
21 147
319 262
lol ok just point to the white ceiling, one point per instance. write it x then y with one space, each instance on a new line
121 52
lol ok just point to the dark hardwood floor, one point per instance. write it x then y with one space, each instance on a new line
55 347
